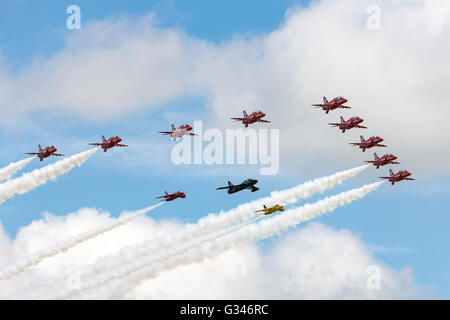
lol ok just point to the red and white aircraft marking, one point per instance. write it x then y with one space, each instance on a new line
182 130
353 122
173 196
252 118
45 153
399 176
384 160
333 104
110 143
369 143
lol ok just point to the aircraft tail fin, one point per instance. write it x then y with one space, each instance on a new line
230 184
342 119
245 114
173 127
165 193
40 148
325 100
391 172
103 138
375 156
362 138
264 206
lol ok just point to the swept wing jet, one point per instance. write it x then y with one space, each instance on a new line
247 184
384 160
336 103
369 143
353 122
266 211
46 152
110 143
399 176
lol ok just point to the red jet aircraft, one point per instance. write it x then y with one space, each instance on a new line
182 130
110 143
252 118
384 160
333 104
369 143
353 122
45 153
173 196
399 176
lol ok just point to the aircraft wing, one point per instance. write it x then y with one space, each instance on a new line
192 134
121 145
267 121
384 177
319 105
58 155
335 124
409 179
345 107
237 119
361 127
381 145
95 144
165 132
370 161
355 143
222 188
33 153
395 162
260 210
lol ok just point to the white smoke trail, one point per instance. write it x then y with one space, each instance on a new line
30 180
9 170
138 270
64 245
214 222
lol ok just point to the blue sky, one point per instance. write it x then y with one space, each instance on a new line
407 224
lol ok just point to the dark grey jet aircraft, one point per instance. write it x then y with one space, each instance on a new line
247 184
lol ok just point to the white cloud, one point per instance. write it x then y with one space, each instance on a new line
311 262
315 262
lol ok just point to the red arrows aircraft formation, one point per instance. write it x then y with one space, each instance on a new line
374 141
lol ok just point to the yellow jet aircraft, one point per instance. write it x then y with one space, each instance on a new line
266 211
